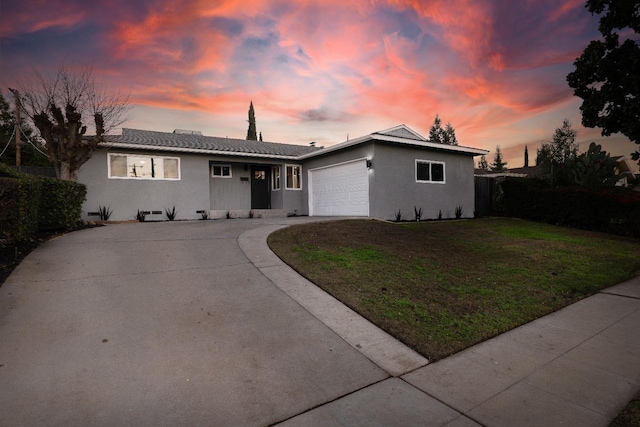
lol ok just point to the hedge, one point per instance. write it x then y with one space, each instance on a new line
29 204
612 209
60 203
18 208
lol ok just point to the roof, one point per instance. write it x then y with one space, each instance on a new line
197 143
401 135
525 172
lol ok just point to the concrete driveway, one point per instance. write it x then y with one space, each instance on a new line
200 324
166 324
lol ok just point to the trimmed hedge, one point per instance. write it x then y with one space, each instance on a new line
60 203
29 204
612 209
18 208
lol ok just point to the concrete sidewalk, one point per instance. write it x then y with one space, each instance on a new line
578 367
199 323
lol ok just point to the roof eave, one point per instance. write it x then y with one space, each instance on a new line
195 151
394 139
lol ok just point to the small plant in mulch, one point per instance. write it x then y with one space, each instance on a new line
251 213
459 212
440 214
204 214
398 216
104 212
228 214
171 214
141 216
417 213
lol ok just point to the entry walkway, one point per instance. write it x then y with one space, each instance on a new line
198 323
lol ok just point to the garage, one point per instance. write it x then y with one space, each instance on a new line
340 190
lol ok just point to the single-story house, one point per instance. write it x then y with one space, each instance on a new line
376 176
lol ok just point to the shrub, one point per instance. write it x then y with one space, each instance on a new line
418 213
171 214
459 212
398 216
60 203
104 212
19 198
141 215
521 197
612 209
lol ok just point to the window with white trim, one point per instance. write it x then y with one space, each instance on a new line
430 171
221 171
132 166
275 175
294 177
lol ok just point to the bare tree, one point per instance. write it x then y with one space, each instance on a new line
57 103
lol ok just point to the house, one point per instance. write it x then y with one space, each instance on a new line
372 176
523 172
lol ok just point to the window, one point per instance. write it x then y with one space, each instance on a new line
428 171
130 166
294 173
221 171
275 171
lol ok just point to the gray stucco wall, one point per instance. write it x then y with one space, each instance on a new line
231 193
126 196
393 183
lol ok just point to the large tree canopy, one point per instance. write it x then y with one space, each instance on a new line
56 104
606 74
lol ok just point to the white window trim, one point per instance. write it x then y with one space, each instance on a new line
142 178
273 178
444 171
285 178
221 166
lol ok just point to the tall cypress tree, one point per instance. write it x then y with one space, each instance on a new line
252 134
526 157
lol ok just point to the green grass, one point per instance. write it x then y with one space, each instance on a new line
443 286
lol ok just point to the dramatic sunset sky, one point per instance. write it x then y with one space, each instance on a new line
321 70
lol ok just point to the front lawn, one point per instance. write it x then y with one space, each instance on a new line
442 286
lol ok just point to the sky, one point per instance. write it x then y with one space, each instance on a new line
322 71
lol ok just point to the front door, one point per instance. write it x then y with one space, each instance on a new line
260 196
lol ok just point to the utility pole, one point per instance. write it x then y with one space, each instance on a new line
18 129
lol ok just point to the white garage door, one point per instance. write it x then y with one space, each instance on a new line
340 190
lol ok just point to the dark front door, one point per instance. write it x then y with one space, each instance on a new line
260 196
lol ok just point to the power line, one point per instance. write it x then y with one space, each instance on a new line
9 141
32 144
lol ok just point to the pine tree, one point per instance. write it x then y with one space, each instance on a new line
498 164
251 132
446 135
436 133
449 135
